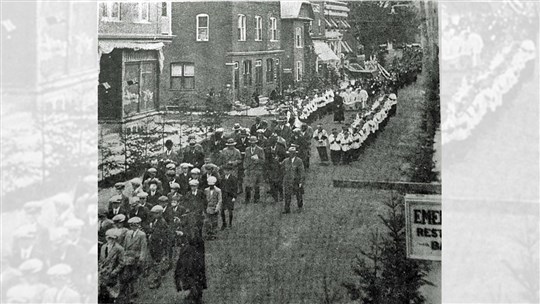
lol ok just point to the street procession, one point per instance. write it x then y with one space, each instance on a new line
227 131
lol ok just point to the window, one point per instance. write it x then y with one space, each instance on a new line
140 91
269 70
273 29
241 28
143 9
298 37
236 75
298 70
182 76
110 11
258 28
164 9
202 27
247 72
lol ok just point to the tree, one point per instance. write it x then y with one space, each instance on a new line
377 22
385 274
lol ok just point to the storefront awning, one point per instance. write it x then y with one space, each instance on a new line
324 52
105 47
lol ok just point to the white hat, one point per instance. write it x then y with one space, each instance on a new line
193 182
195 171
113 233
157 208
185 165
19 294
220 130
134 220
119 218
170 166
142 195
211 180
392 96
31 266
59 269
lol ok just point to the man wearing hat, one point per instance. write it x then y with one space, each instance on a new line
196 175
104 224
231 155
169 154
153 193
174 194
195 200
242 143
229 188
183 178
109 266
275 154
135 257
152 177
293 179
283 130
120 224
119 187
253 168
25 246
236 130
217 140
137 210
256 126
157 243
116 207
170 178
136 186
31 286
193 153
214 200
143 196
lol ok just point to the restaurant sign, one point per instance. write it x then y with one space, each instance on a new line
423 223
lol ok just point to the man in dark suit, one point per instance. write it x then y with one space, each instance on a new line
152 176
139 211
229 187
193 153
157 241
183 178
195 201
169 154
153 194
170 179
256 126
293 179
116 207
283 130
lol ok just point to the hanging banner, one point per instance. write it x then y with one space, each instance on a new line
423 224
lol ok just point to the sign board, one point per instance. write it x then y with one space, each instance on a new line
423 224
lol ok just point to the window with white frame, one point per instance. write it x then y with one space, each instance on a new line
258 28
182 76
299 71
298 37
110 11
241 28
273 29
143 10
202 27
247 73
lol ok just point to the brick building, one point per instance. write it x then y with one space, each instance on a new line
296 17
231 47
131 37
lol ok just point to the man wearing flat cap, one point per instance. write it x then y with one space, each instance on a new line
293 179
120 187
184 177
152 177
253 168
170 178
137 210
217 141
242 142
214 201
116 207
110 266
193 153
135 258
153 194
157 243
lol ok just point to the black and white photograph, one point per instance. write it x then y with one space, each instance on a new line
252 151
269 152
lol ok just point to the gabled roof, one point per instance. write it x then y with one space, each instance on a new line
292 9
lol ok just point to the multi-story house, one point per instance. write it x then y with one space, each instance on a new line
325 55
131 37
224 46
296 17
336 14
